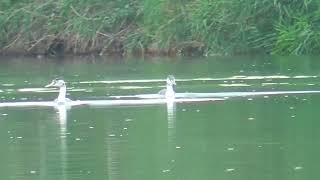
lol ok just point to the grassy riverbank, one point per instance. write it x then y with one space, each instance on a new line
138 27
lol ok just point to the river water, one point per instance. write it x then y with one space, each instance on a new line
261 136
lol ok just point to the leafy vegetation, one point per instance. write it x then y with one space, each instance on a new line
187 27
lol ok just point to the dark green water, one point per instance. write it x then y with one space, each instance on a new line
267 137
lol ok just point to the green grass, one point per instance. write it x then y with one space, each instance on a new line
181 27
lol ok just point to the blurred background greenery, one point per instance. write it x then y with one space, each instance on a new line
160 27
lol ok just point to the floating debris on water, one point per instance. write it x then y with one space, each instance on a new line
166 170
184 110
178 147
33 172
127 120
125 128
230 149
112 135
78 139
19 137
7 85
291 107
298 168
4 114
91 127
265 96
293 116
198 110
250 99
251 118
230 169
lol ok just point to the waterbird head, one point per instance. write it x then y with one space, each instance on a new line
56 83
59 83
171 80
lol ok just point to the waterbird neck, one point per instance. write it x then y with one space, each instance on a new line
62 94
170 91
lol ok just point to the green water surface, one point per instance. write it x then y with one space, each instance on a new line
265 137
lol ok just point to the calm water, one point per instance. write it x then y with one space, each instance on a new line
265 137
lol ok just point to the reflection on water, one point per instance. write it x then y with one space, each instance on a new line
61 118
172 139
171 117
266 129
113 143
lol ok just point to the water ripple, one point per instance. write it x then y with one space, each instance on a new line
8 85
197 79
135 87
234 85
49 90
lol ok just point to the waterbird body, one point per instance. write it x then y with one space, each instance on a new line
169 92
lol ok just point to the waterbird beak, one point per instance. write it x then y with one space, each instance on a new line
50 85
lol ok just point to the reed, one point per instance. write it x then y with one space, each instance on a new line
186 27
